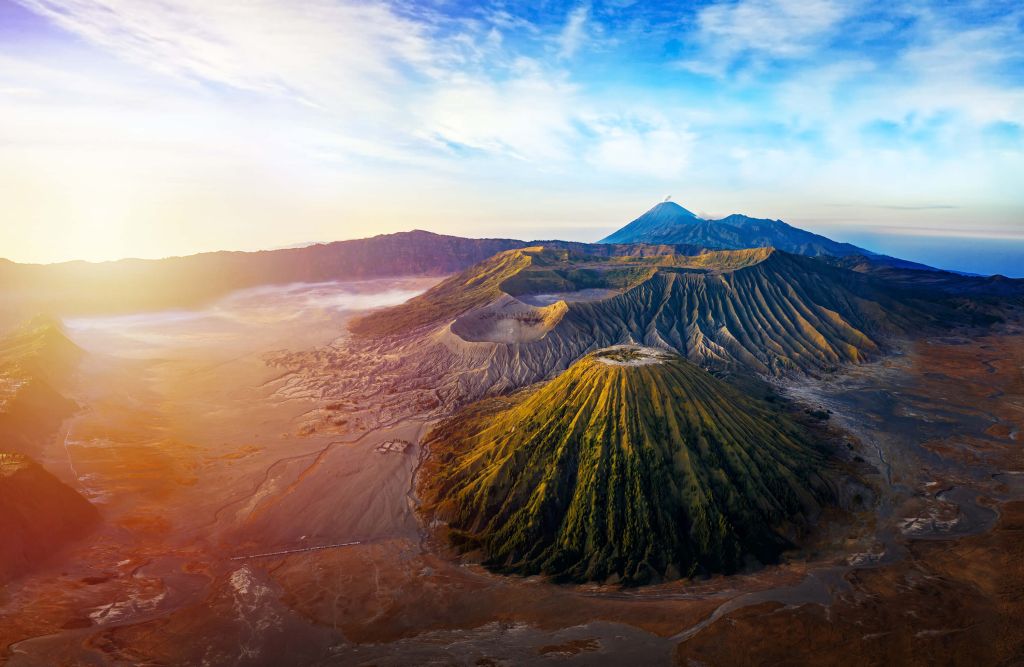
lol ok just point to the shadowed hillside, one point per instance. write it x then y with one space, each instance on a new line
633 464
36 360
137 284
38 514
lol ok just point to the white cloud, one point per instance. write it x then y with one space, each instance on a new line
649 146
777 27
320 51
765 28
574 34
338 99
363 81
527 116
949 67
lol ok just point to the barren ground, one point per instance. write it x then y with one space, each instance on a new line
247 520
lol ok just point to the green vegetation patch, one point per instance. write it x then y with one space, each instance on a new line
625 472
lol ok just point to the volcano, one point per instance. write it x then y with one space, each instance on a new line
670 223
634 465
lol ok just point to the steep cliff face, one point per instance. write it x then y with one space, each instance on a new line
528 314
477 286
38 515
634 464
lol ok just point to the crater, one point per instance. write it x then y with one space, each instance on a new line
576 296
631 355
508 320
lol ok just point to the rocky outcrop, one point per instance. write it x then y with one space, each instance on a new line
761 310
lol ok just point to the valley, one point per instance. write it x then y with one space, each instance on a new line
559 453
390 333
239 510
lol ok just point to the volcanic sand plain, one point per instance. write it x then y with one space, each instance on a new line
245 521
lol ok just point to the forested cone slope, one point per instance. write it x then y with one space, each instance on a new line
632 464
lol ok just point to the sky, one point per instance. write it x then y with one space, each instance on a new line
150 128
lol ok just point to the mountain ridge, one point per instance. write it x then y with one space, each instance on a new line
765 309
757 311
668 222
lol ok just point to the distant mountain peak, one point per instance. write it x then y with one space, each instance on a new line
669 207
662 219
670 223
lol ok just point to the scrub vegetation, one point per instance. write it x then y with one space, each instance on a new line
628 472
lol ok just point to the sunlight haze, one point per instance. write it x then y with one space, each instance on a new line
154 129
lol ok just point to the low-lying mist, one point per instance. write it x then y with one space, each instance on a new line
245 318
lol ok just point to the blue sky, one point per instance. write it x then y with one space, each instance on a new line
140 128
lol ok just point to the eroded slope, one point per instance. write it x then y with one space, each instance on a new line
525 315
634 464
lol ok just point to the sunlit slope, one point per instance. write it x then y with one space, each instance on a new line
38 348
634 471
781 313
36 360
768 310
38 514
476 286
546 269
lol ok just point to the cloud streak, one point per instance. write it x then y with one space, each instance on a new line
317 51
777 105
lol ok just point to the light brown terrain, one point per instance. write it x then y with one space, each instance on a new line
256 506
944 422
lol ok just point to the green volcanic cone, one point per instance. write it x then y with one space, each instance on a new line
632 462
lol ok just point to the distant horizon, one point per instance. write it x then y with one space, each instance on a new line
964 254
145 129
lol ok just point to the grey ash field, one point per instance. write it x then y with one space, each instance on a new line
700 442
